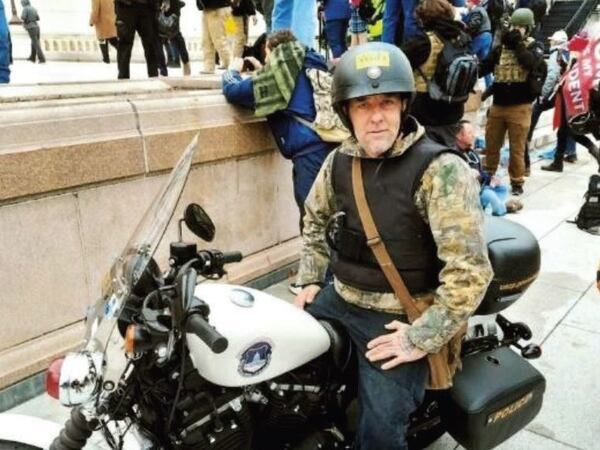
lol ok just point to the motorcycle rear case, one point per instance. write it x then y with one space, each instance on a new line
515 256
267 336
496 394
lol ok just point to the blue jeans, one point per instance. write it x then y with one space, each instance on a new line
300 16
495 197
570 147
386 398
392 11
336 36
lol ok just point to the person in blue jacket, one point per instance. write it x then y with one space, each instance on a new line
4 47
479 27
300 16
337 19
295 139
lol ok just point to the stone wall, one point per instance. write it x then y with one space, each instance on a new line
76 175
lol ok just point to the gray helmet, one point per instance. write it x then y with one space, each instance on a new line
522 17
370 69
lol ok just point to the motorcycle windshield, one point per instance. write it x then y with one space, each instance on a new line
102 334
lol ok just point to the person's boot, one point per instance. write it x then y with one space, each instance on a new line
554 166
104 50
173 63
517 189
187 70
571 158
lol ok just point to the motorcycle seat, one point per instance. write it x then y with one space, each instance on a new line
341 345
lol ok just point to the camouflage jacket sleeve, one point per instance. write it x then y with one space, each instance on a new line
319 207
448 199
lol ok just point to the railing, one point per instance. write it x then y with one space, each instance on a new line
583 13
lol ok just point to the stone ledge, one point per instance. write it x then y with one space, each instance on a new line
115 88
34 356
46 170
62 145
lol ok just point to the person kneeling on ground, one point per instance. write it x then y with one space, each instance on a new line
493 192
426 206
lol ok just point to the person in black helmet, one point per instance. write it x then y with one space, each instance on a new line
425 204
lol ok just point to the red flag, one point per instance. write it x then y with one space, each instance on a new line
579 81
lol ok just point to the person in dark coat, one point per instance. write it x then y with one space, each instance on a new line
30 19
177 42
440 118
137 16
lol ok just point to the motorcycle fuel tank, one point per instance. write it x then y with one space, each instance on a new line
267 336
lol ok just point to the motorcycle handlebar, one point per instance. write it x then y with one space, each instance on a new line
212 338
231 257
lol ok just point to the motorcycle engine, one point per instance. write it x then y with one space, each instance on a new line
223 423
298 409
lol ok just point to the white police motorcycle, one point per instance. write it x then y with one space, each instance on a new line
169 363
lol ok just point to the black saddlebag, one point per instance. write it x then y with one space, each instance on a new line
515 256
495 395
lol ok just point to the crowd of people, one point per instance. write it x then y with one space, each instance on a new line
450 46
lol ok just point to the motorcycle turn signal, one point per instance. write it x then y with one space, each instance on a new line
137 339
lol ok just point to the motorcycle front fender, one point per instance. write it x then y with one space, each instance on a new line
28 430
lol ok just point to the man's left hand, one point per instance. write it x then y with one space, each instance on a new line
512 39
395 345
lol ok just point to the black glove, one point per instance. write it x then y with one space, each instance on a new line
512 39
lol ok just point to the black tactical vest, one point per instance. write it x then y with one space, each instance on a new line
390 185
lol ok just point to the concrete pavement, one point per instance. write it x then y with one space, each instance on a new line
25 72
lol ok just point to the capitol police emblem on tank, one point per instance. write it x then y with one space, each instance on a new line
255 359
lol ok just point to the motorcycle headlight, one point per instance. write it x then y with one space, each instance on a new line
80 377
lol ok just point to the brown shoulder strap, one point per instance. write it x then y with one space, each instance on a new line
376 244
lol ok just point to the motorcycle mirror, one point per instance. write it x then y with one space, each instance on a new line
199 223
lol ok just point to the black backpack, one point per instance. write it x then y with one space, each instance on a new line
536 78
455 72
588 218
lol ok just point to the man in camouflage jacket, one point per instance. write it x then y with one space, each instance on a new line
426 207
